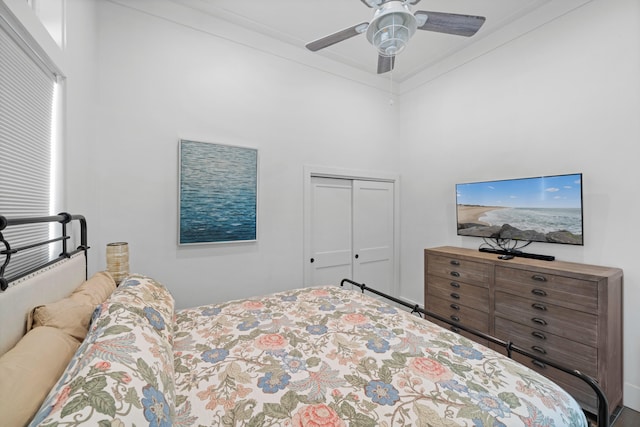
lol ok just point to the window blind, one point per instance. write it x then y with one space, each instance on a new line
26 111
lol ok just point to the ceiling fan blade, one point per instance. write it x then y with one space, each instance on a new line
385 63
371 3
334 38
450 23
374 4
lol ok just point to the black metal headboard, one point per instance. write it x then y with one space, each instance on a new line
62 218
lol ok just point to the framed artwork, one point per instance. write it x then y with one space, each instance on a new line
218 189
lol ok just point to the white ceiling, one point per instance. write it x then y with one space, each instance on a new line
298 22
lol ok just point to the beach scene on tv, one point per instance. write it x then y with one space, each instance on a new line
541 209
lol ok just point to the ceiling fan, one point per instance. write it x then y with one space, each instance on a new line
393 24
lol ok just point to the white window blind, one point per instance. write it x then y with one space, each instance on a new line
26 111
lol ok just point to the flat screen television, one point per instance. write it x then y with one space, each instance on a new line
540 209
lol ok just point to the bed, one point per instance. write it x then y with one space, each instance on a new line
320 356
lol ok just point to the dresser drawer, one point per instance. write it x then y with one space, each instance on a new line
574 325
577 388
475 319
549 346
460 293
564 291
459 269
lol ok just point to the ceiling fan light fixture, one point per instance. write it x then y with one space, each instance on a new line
391 28
391 39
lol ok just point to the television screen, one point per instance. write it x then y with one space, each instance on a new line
541 209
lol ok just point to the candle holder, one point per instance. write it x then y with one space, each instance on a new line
118 260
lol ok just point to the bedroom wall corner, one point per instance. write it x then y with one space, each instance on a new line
80 110
563 98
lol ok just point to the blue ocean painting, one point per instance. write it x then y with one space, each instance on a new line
218 193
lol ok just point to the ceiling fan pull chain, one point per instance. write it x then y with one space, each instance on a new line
391 88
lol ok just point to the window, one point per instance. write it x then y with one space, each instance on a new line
52 15
28 106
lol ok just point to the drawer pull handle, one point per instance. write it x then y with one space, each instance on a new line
539 278
454 329
455 318
455 274
539 349
455 284
454 295
539 292
538 364
454 262
539 321
539 335
455 306
539 306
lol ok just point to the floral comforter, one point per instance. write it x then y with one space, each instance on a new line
333 357
319 357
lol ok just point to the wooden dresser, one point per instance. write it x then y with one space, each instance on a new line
566 312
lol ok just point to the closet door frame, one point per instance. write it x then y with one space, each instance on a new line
329 172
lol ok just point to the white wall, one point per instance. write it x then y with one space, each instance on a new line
564 98
160 80
81 90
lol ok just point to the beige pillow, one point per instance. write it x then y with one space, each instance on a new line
96 290
68 315
73 314
29 370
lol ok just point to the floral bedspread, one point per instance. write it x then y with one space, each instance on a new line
320 357
334 357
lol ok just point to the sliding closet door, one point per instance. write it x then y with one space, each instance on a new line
373 234
331 230
351 232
